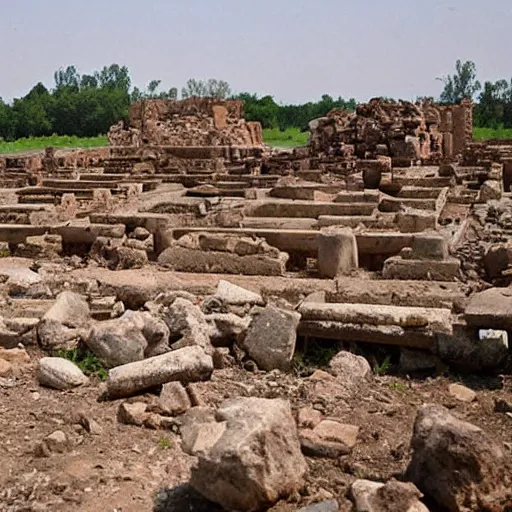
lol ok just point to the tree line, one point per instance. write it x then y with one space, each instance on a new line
87 105
493 100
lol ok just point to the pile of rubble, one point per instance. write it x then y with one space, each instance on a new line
253 442
405 131
191 122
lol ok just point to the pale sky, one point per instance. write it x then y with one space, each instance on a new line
295 50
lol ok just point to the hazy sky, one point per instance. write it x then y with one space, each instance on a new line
293 49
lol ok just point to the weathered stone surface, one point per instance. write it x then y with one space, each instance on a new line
490 190
323 506
117 342
188 364
236 295
65 323
498 258
350 369
256 461
377 497
187 323
227 328
271 338
457 465
490 309
132 413
5 368
308 417
461 393
174 399
153 329
432 319
329 439
57 442
18 356
337 252
183 259
398 267
59 373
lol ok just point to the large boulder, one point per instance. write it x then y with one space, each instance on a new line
271 338
59 373
117 342
132 337
457 464
254 459
65 323
350 369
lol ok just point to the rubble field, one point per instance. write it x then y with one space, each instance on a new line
192 321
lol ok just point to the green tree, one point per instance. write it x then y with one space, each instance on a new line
211 88
463 84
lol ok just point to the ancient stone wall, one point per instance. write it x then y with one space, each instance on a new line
403 130
191 122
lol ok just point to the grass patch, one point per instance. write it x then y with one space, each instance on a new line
382 368
317 355
54 140
397 386
86 361
165 443
290 138
491 133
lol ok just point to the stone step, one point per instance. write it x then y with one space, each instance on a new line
48 199
428 294
278 223
405 326
80 184
102 177
429 182
306 241
410 192
153 222
18 208
309 209
18 233
307 191
380 221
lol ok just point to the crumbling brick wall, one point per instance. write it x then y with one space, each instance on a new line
400 129
191 122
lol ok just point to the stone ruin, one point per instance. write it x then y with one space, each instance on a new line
402 130
194 264
191 122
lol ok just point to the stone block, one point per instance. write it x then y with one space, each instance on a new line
337 252
397 267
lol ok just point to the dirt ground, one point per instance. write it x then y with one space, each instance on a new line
123 468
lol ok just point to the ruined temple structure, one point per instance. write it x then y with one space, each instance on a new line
408 133
192 122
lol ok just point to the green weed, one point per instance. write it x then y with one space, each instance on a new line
86 361
397 386
165 443
382 368
317 355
